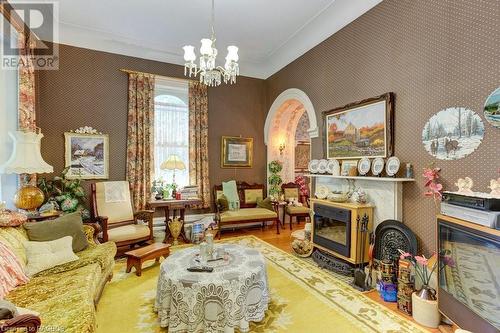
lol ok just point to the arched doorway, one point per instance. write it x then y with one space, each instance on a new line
290 124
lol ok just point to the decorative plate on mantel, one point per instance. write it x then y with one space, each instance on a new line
392 166
322 166
333 167
364 166
313 166
377 166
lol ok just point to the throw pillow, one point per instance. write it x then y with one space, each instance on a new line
11 271
45 255
9 218
66 225
223 203
266 203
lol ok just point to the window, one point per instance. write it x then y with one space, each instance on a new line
171 128
8 117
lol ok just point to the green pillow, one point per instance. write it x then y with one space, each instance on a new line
223 203
66 225
266 203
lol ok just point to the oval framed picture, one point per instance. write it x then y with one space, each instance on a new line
364 166
492 108
392 166
377 166
453 133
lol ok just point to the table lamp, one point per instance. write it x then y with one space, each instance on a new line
26 159
173 162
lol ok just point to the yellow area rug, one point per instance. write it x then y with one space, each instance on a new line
304 299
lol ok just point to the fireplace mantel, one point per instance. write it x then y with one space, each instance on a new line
385 193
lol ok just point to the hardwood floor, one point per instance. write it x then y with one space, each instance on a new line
282 241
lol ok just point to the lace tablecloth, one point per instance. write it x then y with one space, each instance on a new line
228 298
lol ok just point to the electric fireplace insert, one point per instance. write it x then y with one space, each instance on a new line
332 229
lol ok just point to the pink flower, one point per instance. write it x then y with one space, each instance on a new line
405 255
422 260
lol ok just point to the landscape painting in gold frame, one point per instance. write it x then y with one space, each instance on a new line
236 152
361 129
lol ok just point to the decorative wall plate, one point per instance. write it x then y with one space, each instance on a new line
313 166
453 133
364 166
392 166
377 166
333 167
322 192
492 108
322 166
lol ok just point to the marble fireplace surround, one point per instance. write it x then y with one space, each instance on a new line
383 192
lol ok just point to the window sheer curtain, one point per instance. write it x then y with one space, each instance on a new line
198 140
140 137
171 127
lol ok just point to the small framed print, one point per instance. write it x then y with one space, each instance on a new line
349 168
236 152
86 155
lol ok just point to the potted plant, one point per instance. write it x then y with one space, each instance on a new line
274 179
424 300
68 195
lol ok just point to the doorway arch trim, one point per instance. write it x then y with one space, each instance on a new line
294 94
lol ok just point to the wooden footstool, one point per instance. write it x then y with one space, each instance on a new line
135 258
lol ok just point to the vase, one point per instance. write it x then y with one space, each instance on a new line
425 307
175 227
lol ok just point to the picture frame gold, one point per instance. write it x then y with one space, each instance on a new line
86 155
236 152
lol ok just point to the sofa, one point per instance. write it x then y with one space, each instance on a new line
249 212
65 296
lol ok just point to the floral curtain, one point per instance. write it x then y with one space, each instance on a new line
140 137
27 95
198 140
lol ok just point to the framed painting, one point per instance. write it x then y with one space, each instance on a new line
236 152
361 129
87 155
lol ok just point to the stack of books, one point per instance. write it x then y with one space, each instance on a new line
189 192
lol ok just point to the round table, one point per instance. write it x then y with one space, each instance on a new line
230 297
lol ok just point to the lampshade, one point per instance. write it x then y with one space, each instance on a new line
26 156
206 47
173 163
232 53
189 54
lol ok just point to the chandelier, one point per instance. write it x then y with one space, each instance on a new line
210 74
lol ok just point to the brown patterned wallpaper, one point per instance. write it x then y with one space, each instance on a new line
432 54
90 90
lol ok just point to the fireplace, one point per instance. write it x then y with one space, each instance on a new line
332 229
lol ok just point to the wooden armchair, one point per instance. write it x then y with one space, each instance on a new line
292 191
112 209
28 322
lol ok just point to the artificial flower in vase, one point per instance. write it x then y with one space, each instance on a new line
424 301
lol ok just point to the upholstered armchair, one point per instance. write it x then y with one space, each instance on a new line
292 191
112 209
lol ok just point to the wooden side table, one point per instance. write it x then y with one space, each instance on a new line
174 206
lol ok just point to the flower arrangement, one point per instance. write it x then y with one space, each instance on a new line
433 187
161 188
421 265
67 195
275 179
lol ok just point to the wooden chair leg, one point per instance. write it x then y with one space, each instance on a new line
278 222
129 265
291 220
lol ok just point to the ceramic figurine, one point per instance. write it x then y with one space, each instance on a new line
360 196
495 187
464 185
409 170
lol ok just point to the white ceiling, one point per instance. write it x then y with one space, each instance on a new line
269 33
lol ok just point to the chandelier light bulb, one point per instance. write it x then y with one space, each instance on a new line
232 53
189 54
206 47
